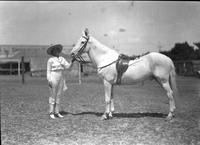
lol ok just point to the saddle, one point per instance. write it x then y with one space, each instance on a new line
123 63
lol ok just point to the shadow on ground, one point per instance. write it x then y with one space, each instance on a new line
120 115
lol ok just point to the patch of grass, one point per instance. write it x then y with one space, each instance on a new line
139 117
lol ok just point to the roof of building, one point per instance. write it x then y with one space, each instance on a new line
28 51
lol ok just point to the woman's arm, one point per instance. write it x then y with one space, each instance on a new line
49 64
67 65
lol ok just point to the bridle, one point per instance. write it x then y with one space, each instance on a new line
78 56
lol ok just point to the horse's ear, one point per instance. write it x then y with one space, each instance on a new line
86 32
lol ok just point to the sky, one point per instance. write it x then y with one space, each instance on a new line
130 27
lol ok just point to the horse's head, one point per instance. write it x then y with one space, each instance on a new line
80 46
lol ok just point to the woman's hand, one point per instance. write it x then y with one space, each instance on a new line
70 64
50 84
73 59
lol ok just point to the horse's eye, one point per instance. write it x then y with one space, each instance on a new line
82 42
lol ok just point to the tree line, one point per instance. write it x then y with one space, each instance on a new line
183 51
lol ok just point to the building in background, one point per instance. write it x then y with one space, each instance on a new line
35 58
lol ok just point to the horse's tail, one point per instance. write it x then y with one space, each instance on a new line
172 80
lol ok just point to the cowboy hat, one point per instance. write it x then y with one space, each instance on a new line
59 48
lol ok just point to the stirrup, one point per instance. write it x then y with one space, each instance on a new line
52 116
59 115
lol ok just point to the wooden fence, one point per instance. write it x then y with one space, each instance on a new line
187 68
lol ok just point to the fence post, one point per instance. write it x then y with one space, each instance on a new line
23 69
10 71
79 73
18 67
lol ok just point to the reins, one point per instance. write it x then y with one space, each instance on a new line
99 68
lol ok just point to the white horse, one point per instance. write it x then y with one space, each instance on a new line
153 65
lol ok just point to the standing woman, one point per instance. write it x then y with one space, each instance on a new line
56 80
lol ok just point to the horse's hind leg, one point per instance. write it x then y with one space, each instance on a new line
166 86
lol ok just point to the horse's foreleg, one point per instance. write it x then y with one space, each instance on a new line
112 109
112 105
108 92
112 101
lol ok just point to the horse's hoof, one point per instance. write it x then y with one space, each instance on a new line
104 117
110 116
170 117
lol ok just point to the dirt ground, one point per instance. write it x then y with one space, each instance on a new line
139 118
